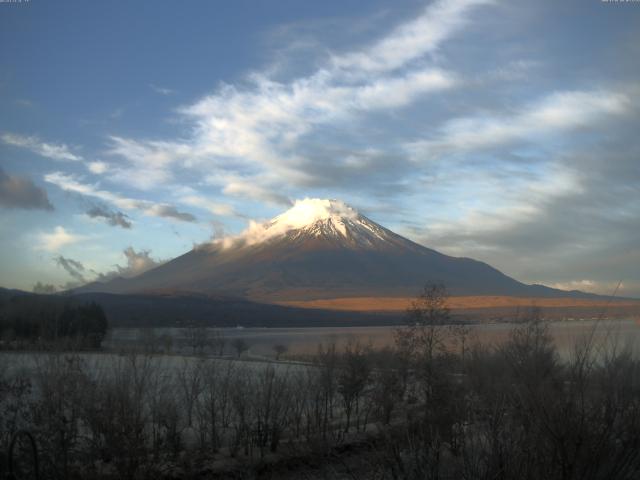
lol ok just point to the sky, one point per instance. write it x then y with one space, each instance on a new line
505 131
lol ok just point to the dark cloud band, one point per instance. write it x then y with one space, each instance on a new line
17 192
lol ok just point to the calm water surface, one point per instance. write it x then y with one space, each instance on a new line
624 333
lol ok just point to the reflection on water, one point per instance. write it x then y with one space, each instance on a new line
623 333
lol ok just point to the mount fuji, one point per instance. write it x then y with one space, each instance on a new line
318 250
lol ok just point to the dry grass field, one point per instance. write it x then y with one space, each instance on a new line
391 304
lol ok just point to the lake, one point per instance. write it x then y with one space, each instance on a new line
300 341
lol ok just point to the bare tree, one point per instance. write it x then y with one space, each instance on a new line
213 406
218 342
388 384
353 378
197 337
166 340
60 380
116 414
327 386
460 333
422 341
423 336
280 350
148 340
271 406
240 345
189 377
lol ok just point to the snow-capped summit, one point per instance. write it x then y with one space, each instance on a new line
310 218
310 210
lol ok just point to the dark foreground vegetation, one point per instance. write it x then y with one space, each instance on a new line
437 406
42 321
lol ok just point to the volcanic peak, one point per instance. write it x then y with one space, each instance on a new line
311 217
310 210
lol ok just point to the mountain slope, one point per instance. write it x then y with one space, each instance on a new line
321 249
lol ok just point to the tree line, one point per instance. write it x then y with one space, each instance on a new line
26 320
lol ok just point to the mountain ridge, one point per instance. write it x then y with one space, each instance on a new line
321 249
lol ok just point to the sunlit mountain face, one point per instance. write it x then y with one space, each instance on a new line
319 249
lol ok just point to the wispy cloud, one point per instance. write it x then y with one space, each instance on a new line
149 161
217 208
412 40
98 167
23 102
259 127
161 90
551 115
115 219
503 206
70 183
72 267
57 239
243 187
169 211
54 151
576 216
589 285
138 261
17 192
117 113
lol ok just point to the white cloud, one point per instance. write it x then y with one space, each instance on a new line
502 206
69 183
259 127
149 161
97 167
34 144
217 208
251 189
553 114
160 90
138 262
399 91
57 239
412 40
590 286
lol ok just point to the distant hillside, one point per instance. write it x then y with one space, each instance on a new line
179 310
185 309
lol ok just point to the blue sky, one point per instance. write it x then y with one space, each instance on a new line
502 131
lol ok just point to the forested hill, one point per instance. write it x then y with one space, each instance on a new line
31 318
215 311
